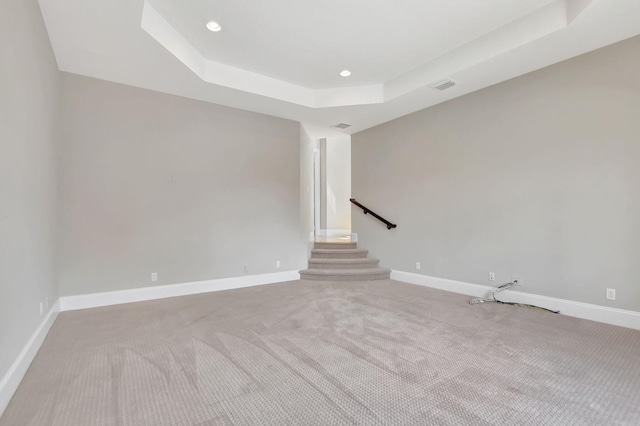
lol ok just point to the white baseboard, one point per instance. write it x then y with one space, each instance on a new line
95 300
11 380
469 289
18 369
605 314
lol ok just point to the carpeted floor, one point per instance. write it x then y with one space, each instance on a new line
321 353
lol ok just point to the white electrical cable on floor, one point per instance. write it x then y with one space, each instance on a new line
492 298
492 295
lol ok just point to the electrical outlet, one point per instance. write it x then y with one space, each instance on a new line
611 293
418 266
277 264
154 276
492 276
517 279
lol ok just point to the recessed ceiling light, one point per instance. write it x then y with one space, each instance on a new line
345 73
213 26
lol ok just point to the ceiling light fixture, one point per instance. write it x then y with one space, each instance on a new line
345 73
213 26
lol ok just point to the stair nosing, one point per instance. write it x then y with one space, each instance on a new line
343 260
363 271
355 250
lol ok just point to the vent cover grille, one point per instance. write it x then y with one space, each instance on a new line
342 126
444 84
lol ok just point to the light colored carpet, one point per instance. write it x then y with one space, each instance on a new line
320 353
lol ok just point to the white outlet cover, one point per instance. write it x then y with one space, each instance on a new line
154 276
418 265
611 293
277 263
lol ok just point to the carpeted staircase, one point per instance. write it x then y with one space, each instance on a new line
338 261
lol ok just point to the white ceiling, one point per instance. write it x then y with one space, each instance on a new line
283 58
309 42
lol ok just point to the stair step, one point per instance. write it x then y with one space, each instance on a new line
346 263
339 253
368 274
335 245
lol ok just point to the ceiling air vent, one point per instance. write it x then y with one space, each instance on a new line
342 126
444 84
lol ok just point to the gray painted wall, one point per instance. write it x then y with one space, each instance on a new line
29 90
157 183
538 176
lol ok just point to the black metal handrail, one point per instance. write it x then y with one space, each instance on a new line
367 210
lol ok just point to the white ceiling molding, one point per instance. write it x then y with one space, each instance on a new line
236 78
217 73
575 8
284 59
539 23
